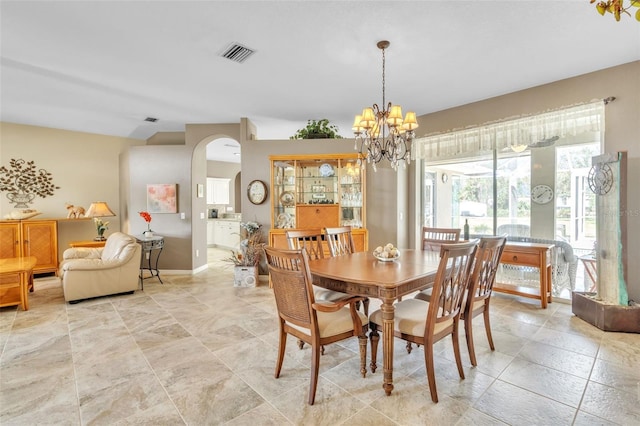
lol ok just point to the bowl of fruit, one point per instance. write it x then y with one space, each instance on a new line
386 253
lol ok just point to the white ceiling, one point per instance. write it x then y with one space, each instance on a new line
102 67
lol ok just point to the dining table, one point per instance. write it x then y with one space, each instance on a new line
362 274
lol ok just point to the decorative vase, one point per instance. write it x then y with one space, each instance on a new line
20 201
148 234
245 276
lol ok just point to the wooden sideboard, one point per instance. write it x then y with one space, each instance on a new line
37 238
532 255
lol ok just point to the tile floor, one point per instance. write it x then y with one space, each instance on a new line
198 351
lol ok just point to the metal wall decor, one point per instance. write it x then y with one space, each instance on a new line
23 181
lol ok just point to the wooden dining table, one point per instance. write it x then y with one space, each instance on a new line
364 275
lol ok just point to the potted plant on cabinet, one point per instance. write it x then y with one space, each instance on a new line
317 129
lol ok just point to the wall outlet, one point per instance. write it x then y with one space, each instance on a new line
197 253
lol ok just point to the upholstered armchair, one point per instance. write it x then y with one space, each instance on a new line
93 272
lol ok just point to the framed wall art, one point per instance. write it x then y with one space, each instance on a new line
162 198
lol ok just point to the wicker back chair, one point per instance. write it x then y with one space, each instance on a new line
425 323
311 241
316 323
433 238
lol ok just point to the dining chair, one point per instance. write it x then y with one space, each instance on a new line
340 241
300 315
481 287
425 323
311 241
433 238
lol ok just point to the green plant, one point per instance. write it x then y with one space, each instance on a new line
316 129
617 7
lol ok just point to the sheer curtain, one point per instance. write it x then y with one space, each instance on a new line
512 133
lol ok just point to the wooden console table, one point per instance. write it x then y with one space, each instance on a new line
88 243
532 255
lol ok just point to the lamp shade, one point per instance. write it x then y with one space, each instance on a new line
395 116
368 118
99 209
410 122
356 124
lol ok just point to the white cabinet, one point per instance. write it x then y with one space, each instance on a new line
217 190
211 237
226 233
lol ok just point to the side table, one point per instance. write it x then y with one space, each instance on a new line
88 243
150 245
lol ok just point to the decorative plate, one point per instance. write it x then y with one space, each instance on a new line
288 198
326 170
284 221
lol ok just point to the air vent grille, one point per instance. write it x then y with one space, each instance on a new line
151 119
237 53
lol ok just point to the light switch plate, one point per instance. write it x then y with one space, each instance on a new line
183 216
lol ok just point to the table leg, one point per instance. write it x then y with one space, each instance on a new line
388 313
24 288
544 284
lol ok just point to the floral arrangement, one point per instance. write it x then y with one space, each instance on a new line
100 226
250 251
147 218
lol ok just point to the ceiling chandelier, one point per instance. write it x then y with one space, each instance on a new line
383 133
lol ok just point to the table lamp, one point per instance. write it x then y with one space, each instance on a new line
97 210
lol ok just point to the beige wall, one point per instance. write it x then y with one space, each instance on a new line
84 165
622 129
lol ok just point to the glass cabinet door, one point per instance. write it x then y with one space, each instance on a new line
351 194
284 194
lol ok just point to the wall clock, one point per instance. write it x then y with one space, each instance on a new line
541 194
600 178
257 191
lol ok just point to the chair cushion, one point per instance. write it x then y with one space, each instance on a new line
115 245
323 294
333 323
410 317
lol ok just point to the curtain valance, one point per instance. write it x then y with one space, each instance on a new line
513 132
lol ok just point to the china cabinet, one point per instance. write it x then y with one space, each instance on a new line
317 191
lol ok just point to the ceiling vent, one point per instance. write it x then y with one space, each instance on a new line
237 53
151 119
